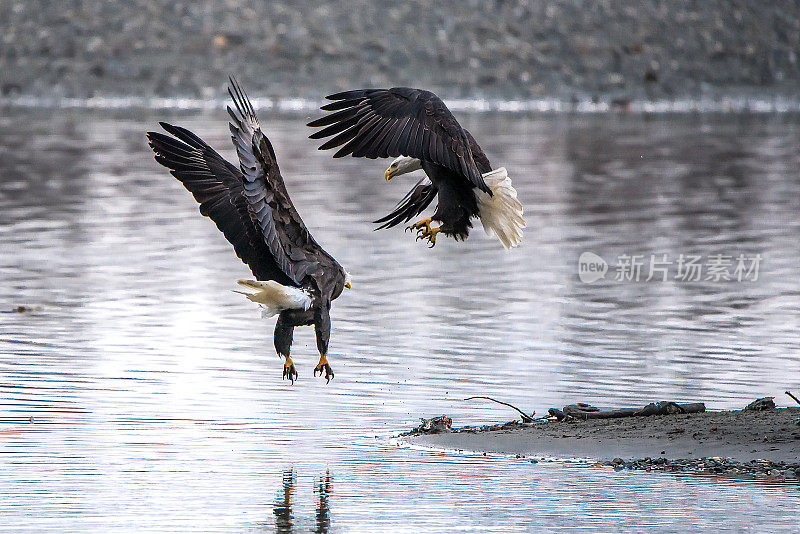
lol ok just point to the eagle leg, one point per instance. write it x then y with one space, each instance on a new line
289 370
324 366
283 344
322 327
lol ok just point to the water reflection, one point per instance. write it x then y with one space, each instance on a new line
285 520
283 505
323 489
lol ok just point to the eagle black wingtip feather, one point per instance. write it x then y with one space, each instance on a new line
337 96
157 140
240 99
173 130
340 104
234 84
354 93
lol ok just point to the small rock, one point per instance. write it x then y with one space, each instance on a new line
764 403
436 425
26 309
220 41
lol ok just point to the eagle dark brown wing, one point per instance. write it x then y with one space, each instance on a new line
414 203
477 154
272 210
251 204
382 123
218 187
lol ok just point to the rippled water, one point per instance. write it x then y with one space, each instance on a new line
155 393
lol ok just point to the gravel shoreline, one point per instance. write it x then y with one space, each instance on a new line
764 470
582 50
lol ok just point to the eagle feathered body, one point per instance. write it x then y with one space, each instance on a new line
380 123
252 208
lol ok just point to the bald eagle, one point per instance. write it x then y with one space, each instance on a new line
416 126
295 277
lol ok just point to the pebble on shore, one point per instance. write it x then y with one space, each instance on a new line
755 469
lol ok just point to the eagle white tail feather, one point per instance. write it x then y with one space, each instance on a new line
501 214
274 297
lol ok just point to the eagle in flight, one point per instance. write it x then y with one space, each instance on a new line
295 278
416 127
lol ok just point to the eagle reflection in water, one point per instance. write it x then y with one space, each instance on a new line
282 507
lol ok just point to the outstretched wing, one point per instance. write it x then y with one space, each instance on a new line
270 206
250 205
382 123
218 187
477 154
411 205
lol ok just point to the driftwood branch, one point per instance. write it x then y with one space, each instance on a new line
792 396
525 417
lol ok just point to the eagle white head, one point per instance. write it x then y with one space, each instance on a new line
402 165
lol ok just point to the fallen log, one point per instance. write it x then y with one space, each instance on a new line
584 411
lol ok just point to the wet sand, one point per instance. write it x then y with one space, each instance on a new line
742 436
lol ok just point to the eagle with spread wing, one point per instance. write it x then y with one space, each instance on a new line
417 128
295 278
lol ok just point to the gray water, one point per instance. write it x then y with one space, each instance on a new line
143 395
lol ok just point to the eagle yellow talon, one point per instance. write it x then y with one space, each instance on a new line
324 366
421 226
432 236
289 370
425 231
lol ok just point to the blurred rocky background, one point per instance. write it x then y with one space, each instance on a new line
569 50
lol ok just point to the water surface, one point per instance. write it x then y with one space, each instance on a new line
155 392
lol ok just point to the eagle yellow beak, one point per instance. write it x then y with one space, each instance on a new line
388 174
347 285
